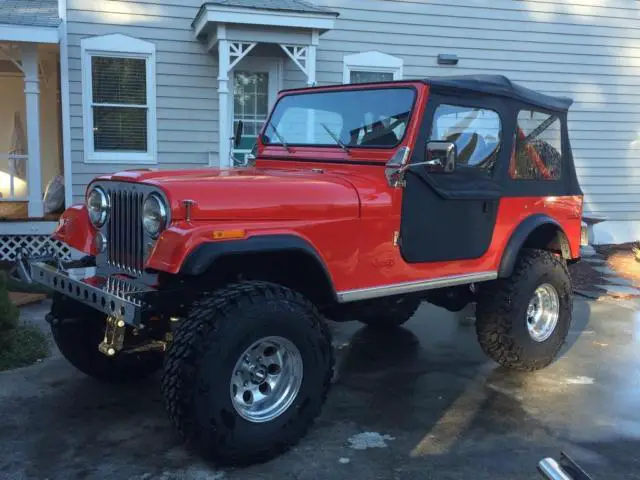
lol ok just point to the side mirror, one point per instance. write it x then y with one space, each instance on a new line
237 135
441 156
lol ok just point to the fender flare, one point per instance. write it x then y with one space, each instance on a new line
520 236
206 254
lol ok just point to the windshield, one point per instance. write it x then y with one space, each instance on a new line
347 118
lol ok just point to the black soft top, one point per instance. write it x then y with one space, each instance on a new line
500 85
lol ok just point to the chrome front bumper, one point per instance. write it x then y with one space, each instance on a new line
113 296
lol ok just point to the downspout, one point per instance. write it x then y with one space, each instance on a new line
64 101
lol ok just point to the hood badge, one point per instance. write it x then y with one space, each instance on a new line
188 204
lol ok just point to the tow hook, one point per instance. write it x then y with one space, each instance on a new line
113 336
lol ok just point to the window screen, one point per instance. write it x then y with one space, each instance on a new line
119 104
477 133
537 153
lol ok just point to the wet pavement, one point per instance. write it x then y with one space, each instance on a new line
420 402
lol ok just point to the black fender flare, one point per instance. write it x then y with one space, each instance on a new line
520 236
205 254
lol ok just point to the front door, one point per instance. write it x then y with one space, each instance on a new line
256 82
451 215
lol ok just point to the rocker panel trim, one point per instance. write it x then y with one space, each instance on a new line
410 287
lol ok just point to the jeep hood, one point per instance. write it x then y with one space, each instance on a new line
252 194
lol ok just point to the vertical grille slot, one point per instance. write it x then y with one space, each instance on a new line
124 229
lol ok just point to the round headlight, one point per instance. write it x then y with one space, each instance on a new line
98 206
154 215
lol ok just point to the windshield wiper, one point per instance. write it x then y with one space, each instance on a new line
339 142
280 137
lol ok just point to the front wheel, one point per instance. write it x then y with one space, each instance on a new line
77 333
247 372
522 321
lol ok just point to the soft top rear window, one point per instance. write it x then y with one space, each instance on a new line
368 118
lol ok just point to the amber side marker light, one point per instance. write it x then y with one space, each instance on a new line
229 234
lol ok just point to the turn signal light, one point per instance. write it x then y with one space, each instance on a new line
229 234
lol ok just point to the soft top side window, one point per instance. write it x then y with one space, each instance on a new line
538 146
477 133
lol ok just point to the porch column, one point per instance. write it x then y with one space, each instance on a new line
223 97
311 58
32 99
310 65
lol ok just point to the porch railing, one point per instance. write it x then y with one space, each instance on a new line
12 187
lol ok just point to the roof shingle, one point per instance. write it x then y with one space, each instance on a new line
36 13
281 5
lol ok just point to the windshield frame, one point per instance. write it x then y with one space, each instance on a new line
341 88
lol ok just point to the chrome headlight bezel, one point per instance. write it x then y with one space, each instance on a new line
154 203
98 217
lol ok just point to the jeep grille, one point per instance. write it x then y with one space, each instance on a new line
125 237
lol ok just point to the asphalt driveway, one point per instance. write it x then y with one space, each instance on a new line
422 402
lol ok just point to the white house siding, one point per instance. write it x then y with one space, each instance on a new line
186 80
586 49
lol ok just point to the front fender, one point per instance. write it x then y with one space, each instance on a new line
76 230
190 249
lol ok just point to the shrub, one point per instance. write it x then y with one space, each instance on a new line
9 313
20 345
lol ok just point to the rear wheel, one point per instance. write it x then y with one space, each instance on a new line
247 372
77 332
522 321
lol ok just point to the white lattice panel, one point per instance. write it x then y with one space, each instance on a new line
32 245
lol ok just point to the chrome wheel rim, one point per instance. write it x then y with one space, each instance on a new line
266 379
543 312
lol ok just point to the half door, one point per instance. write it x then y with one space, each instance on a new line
451 215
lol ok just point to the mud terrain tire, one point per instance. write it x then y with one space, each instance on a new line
201 361
78 332
501 312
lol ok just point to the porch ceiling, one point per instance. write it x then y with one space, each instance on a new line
29 21
295 14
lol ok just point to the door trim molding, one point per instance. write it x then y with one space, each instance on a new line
346 296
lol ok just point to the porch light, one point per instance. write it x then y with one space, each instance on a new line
19 186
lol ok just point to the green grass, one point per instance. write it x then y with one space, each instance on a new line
22 346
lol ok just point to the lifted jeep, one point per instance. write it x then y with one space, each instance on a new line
361 202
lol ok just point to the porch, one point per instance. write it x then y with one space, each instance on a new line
252 41
32 180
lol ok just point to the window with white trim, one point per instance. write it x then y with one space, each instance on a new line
371 67
118 99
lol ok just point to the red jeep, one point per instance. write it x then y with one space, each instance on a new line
361 201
